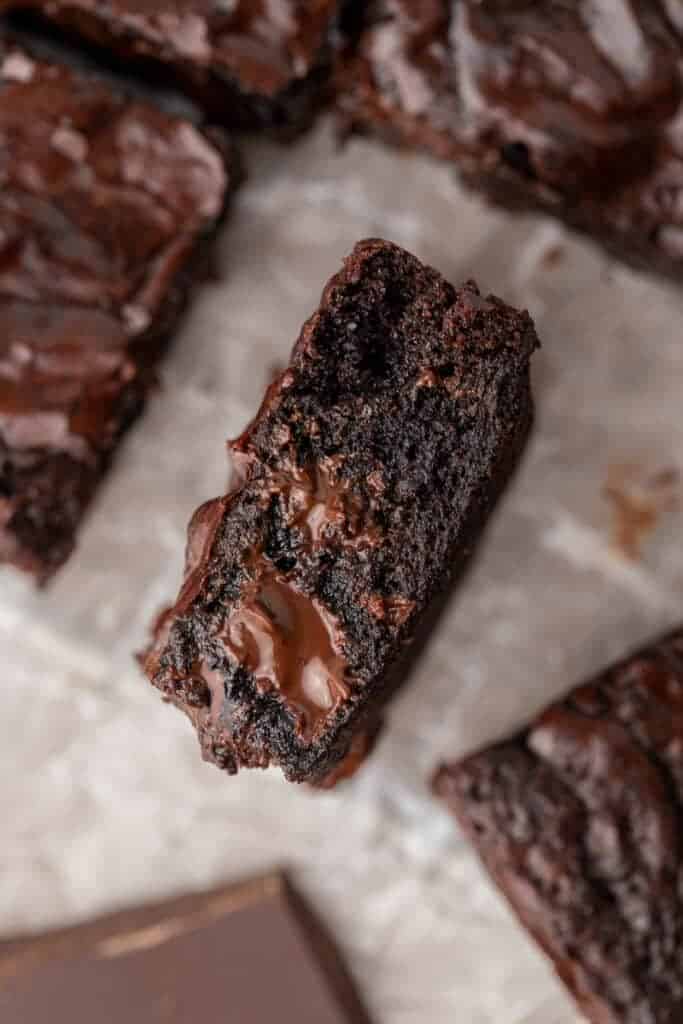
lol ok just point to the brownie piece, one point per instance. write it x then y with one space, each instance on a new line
250 64
107 207
578 820
362 485
570 108
249 953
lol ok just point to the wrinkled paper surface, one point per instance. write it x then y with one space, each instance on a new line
104 800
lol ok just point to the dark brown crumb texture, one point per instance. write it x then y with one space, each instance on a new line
570 108
361 487
579 821
107 205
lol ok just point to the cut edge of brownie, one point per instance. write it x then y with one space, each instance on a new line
516 190
366 411
588 861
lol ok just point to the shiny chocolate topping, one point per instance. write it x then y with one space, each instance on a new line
587 87
61 372
405 46
265 44
405 52
315 499
290 643
201 535
635 805
200 538
101 201
601 72
601 65
288 640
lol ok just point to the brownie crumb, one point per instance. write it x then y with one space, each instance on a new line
357 495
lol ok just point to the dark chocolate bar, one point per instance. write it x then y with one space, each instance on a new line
246 953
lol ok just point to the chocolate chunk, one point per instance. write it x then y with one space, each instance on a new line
571 108
249 953
578 820
107 206
359 492
249 63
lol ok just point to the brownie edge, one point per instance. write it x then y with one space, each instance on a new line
578 821
108 209
362 486
250 65
572 109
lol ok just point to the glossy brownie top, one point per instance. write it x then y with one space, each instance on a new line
580 84
578 820
102 199
264 45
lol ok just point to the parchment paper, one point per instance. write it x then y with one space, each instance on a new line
104 800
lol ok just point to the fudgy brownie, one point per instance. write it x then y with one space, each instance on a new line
362 485
566 107
249 63
248 953
106 207
578 820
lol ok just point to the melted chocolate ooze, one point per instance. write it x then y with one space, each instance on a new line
288 641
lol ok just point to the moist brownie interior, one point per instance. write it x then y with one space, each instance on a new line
363 483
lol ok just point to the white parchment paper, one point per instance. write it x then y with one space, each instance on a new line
104 800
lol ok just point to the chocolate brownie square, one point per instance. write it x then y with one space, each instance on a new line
578 821
362 485
107 207
250 64
574 109
248 952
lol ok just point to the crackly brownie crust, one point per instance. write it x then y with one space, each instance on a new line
362 485
578 820
571 109
249 64
106 210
